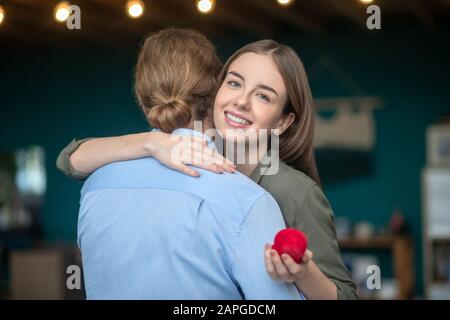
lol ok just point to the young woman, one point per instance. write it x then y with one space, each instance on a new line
263 86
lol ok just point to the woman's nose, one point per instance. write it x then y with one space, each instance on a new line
242 102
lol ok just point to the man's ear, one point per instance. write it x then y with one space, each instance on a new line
285 122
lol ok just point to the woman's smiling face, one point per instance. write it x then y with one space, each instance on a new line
252 96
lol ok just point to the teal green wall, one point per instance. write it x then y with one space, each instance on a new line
49 95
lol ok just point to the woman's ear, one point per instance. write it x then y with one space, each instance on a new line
285 122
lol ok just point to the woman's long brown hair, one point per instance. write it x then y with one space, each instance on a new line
296 142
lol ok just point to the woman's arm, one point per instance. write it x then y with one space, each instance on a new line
91 154
63 160
98 152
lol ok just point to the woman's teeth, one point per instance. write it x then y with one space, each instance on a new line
236 119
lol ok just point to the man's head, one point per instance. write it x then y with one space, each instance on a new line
176 78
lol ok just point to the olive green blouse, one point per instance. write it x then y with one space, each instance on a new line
304 207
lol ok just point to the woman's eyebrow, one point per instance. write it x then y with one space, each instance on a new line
237 75
261 86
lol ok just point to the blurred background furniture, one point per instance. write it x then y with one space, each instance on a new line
436 213
401 250
41 273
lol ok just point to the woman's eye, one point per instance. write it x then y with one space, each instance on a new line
233 84
264 97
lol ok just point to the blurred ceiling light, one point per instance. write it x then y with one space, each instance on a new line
135 8
284 2
366 1
2 14
62 11
206 6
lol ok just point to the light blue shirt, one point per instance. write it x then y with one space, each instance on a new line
149 232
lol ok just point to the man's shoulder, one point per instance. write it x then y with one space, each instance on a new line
234 193
122 174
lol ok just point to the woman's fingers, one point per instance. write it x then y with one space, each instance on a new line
270 268
219 159
225 165
293 267
281 269
307 256
297 269
199 140
205 159
195 151
198 159
186 170
183 151
210 166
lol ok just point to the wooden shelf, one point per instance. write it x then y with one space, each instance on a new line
443 240
401 248
374 242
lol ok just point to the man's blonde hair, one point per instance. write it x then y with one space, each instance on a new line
176 78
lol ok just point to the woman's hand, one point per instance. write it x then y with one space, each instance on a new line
177 152
284 268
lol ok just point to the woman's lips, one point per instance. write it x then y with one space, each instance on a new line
236 121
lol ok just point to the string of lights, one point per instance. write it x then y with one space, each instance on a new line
136 8
2 14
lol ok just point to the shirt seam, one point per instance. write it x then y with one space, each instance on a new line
239 230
